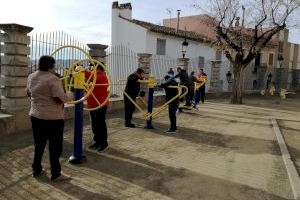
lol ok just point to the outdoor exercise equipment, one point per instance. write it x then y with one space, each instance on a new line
74 78
284 93
182 106
151 83
272 90
165 106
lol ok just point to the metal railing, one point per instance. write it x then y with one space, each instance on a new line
121 61
46 43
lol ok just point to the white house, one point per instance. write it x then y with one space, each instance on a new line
165 42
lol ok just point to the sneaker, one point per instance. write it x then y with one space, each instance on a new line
41 173
170 131
130 125
60 178
94 146
103 149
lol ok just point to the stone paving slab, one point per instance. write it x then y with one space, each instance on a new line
291 132
221 152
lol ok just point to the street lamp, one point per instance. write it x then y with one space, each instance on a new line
270 77
280 60
269 80
184 46
228 77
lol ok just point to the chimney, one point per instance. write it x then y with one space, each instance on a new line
115 4
178 15
237 22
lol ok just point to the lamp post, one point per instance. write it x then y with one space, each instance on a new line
279 71
228 77
280 60
229 80
269 80
184 46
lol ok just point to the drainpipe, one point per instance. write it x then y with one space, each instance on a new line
178 14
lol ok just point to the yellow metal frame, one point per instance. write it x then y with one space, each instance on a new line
99 85
152 83
272 90
88 87
186 91
130 99
165 106
283 93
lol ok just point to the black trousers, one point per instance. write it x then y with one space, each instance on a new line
129 109
99 127
191 94
200 94
172 116
44 130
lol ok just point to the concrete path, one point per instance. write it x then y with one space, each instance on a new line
221 152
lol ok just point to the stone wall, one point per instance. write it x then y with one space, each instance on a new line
14 72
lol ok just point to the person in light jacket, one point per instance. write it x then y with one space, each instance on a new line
47 99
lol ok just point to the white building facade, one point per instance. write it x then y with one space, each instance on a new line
165 45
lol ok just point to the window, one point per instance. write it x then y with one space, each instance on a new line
219 55
160 47
271 59
201 62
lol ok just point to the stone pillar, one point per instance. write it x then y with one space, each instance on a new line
183 63
281 78
97 52
215 76
14 72
144 62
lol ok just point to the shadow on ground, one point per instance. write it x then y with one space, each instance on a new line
238 144
172 182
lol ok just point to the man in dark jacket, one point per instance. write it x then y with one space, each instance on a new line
132 89
184 80
173 106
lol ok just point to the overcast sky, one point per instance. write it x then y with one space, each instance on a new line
90 20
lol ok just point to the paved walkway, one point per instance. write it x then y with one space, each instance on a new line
221 152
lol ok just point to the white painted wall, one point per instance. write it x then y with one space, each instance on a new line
141 40
173 47
126 33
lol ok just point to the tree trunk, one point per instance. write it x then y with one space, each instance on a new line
236 95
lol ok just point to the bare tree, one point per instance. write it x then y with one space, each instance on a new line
241 43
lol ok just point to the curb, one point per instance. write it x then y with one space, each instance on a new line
290 167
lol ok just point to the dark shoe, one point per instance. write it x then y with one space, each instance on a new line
94 146
60 178
103 148
170 131
41 173
130 125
